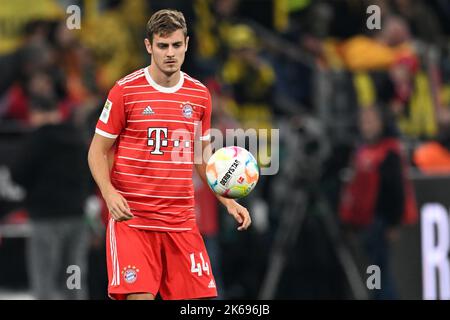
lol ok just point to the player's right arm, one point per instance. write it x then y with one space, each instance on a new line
109 126
100 168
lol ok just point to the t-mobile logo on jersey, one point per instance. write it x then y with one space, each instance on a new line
159 139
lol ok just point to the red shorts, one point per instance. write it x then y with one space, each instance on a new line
175 264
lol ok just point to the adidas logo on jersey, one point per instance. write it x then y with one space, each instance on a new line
211 284
148 111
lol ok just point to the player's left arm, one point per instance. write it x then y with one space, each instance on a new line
239 213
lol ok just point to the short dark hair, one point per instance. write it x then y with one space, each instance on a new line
164 22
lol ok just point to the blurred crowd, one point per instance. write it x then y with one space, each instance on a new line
355 107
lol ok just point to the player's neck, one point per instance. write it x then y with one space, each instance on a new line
163 79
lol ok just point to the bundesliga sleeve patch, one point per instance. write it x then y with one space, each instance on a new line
106 111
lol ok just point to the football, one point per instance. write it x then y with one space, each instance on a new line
232 172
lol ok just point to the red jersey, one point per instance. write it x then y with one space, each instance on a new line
156 128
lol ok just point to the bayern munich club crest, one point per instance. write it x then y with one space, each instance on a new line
187 110
130 274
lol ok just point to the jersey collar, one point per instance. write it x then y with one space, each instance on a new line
173 89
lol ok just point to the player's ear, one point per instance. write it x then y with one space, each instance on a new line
187 41
148 45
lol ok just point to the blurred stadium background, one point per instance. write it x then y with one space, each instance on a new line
305 67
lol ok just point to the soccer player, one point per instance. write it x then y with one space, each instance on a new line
152 117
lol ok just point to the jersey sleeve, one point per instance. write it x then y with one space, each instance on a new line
206 119
112 118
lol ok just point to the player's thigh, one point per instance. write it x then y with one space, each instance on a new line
140 296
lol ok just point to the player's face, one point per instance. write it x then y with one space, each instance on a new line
168 52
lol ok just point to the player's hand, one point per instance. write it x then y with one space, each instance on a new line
118 206
240 214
